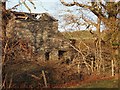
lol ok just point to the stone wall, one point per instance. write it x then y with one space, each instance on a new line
42 33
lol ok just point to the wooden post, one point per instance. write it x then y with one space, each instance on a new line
78 66
92 67
44 78
112 64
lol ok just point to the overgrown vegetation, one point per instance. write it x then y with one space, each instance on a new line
95 53
22 67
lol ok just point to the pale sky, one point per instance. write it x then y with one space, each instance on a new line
53 7
50 6
41 5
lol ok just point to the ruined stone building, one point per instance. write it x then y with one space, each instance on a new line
42 31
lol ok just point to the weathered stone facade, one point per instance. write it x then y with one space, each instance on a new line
42 32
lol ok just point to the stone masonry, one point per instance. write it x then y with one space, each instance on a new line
42 32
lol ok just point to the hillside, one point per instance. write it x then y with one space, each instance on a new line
83 34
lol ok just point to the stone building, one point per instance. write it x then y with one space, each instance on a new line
42 31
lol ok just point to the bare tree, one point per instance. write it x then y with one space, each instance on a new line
106 13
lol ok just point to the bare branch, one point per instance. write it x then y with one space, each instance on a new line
75 3
67 4
89 21
91 8
14 7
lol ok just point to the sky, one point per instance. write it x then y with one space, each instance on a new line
50 6
53 7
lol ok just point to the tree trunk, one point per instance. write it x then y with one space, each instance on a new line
4 21
98 47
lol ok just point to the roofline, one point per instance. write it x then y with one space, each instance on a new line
33 14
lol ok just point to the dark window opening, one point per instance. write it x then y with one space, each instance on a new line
68 61
47 55
61 54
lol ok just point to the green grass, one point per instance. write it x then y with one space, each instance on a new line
113 83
